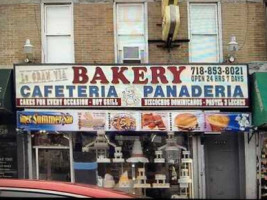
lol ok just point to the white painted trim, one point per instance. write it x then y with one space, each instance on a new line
56 1
29 150
50 147
43 35
72 172
43 45
219 13
132 1
115 31
146 33
37 163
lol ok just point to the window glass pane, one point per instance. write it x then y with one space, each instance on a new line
59 49
203 19
130 19
130 28
130 13
58 20
131 40
204 48
54 164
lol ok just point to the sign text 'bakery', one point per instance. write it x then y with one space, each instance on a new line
131 86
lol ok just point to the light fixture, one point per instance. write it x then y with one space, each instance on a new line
28 50
232 49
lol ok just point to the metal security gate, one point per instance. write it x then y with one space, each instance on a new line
222 166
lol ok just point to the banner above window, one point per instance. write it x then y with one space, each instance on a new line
193 86
94 120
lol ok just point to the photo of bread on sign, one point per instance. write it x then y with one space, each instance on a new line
186 122
153 121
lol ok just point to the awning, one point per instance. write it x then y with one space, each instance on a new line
259 99
6 99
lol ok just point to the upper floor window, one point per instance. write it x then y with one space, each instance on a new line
131 33
57 40
204 30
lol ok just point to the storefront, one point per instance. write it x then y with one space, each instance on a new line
8 151
259 111
154 130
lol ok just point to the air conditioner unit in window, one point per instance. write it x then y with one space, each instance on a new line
131 54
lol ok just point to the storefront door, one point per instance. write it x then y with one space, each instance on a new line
52 164
222 166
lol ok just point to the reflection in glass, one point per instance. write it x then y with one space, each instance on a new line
54 164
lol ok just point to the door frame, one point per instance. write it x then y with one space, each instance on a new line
241 164
36 160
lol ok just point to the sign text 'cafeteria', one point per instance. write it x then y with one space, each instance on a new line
131 86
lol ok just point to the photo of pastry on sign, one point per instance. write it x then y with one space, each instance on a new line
154 121
188 121
218 122
123 122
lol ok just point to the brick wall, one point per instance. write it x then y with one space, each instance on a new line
94 36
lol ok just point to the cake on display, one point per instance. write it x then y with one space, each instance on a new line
109 181
137 153
124 180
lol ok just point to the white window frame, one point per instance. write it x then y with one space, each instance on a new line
219 24
131 2
43 24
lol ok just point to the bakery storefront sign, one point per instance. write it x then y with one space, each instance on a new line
94 120
131 86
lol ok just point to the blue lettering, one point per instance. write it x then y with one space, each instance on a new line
184 92
103 91
196 91
22 91
229 91
219 91
81 91
36 92
47 90
147 90
70 88
112 92
59 91
171 92
159 92
208 91
238 92
93 90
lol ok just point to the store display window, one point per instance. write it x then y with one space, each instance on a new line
145 164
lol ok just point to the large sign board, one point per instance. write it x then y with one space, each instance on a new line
111 120
152 86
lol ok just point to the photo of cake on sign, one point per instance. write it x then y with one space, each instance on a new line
154 121
188 121
122 122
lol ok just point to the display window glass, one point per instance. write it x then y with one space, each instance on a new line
144 164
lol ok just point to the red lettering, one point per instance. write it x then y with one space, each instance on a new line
176 73
139 75
79 75
118 74
158 72
99 75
